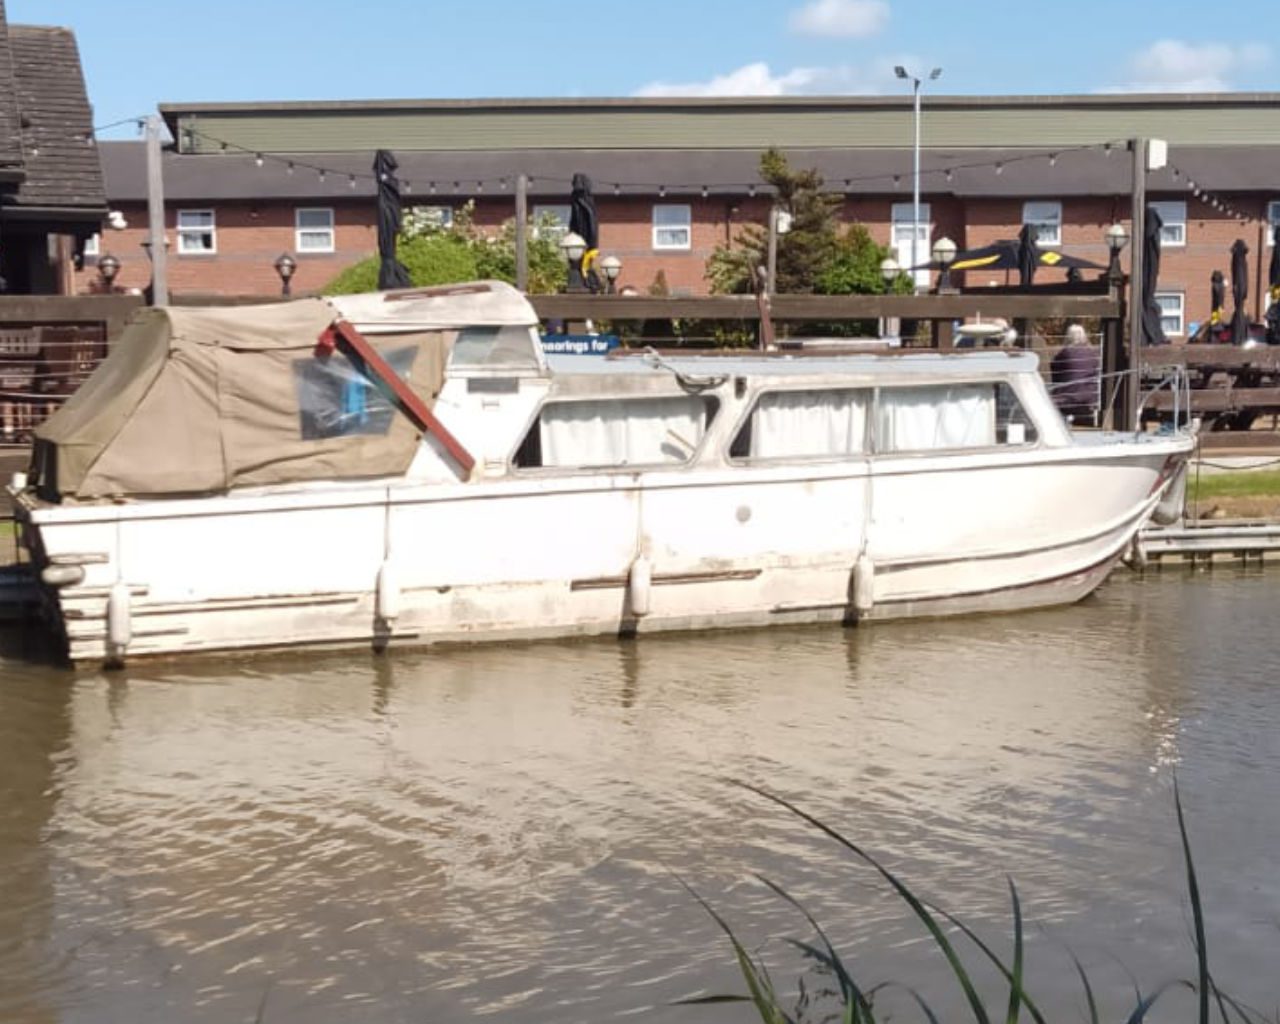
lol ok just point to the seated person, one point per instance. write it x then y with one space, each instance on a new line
1076 373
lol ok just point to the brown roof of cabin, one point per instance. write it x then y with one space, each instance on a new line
55 121
10 144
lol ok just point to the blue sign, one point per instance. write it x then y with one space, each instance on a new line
579 344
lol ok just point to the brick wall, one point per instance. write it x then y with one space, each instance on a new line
251 235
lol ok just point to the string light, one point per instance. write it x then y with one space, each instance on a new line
351 180
257 159
1053 159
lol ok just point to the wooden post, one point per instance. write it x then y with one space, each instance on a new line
155 215
943 335
522 232
1139 218
772 266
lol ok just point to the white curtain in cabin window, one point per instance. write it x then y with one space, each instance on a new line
798 424
621 432
930 418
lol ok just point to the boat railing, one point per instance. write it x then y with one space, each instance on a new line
1176 380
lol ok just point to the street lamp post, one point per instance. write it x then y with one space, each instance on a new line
611 266
285 266
574 247
889 270
1117 238
1115 410
916 83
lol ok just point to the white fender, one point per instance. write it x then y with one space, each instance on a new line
387 596
119 618
1174 500
864 584
639 585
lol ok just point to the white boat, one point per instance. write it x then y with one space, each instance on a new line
425 474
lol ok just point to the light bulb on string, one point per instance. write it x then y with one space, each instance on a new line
662 191
351 181
257 159
1053 159
289 167
704 191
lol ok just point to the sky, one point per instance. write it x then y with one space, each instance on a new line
139 53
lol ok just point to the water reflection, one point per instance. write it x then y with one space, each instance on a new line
447 834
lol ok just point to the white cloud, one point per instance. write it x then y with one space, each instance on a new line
1171 65
759 80
844 18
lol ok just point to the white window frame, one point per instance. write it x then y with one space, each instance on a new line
562 212
1181 312
299 230
1041 214
901 217
1271 212
687 227
211 229
1173 215
92 246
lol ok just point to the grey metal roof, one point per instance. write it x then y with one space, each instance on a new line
975 173
59 152
749 123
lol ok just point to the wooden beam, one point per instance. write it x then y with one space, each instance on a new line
1262 357
1222 400
342 332
823 307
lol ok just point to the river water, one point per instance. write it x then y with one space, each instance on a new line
502 832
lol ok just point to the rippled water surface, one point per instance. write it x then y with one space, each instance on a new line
444 836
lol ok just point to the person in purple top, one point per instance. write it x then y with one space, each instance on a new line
1076 375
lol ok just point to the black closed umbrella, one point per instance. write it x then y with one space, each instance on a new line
1028 255
1239 291
583 221
391 272
1152 329
1217 299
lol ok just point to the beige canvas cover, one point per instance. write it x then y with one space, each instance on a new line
204 400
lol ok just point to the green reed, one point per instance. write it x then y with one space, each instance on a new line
856 1001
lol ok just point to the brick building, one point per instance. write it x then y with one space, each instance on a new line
675 178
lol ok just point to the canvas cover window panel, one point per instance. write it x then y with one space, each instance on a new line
336 398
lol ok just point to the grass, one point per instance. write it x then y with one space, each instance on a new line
841 996
1259 483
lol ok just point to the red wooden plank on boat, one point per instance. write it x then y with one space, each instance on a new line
412 406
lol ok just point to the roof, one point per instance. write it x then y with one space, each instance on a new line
749 123
58 149
10 143
881 172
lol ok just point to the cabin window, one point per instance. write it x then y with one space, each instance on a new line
337 399
950 417
830 423
617 433
504 347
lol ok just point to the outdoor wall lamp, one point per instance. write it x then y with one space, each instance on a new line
108 268
574 247
1117 237
611 266
285 266
944 254
889 270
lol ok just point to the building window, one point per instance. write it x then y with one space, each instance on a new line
197 233
903 215
1273 220
1173 218
93 246
551 221
428 218
1171 313
313 229
672 226
1046 219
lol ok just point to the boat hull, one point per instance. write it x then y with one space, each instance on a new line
396 564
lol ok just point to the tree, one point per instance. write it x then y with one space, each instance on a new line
436 253
815 256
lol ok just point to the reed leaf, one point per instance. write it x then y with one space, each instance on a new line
913 901
759 986
1145 1003
1015 983
1088 990
852 996
1197 911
